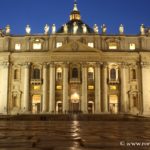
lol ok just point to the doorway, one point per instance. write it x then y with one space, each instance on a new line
59 107
113 104
36 103
75 105
90 107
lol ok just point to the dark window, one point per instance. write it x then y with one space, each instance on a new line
133 74
74 73
59 75
36 74
113 74
90 75
16 74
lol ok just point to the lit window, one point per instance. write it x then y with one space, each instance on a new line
37 46
59 87
59 73
90 73
58 44
132 46
36 87
90 87
91 44
17 46
112 45
113 87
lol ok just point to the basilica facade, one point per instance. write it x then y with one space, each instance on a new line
75 69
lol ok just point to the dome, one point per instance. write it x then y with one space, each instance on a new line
79 24
75 25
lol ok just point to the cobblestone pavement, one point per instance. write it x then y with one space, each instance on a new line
74 135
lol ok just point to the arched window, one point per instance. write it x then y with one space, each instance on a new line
133 73
90 73
16 74
36 73
113 74
74 73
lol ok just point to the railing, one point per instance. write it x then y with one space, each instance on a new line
36 81
113 81
75 80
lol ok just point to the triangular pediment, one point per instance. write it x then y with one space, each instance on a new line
75 46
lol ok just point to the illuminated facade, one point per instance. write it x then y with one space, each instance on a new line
75 69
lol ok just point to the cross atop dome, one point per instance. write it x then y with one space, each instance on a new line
75 14
75 8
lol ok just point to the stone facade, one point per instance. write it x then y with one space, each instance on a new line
61 73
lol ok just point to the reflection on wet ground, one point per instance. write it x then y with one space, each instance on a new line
73 135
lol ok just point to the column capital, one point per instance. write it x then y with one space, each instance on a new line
66 64
98 64
26 64
105 65
5 64
84 65
124 65
45 65
52 64
145 64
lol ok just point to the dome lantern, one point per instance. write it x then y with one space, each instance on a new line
75 14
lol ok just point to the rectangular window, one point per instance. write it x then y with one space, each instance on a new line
58 44
37 46
58 87
132 46
90 87
17 46
36 87
113 87
112 45
91 44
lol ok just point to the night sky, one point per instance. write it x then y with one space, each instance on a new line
36 13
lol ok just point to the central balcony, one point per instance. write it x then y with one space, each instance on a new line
75 80
36 81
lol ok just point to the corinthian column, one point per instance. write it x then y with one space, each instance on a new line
105 95
84 89
65 88
123 88
45 88
52 88
97 89
26 89
145 80
4 88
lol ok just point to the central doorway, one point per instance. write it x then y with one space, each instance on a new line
113 104
36 103
75 105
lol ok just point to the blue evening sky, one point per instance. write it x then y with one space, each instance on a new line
36 13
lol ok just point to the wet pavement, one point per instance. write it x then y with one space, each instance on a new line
74 135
